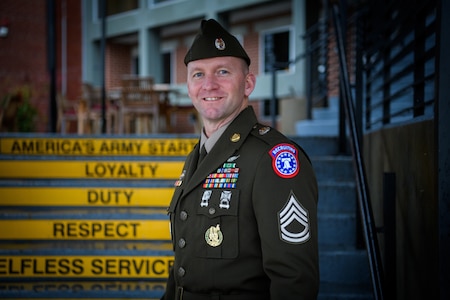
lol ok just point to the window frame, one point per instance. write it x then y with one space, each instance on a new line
262 48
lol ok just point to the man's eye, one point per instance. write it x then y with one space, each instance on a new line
223 72
197 75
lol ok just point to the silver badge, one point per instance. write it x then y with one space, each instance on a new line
225 199
205 198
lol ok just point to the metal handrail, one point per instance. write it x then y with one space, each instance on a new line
367 218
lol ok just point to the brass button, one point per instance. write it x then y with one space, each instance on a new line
183 215
181 271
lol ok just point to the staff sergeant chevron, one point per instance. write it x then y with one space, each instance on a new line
85 146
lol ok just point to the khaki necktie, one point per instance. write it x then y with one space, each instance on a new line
202 155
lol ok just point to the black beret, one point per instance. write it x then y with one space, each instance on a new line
214 41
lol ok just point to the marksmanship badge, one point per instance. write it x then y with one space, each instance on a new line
294 222
214 236
285 160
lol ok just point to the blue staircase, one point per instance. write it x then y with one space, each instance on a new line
85 217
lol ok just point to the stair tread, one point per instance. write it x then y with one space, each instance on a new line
90 289
78 213
64 182
153 249
330 290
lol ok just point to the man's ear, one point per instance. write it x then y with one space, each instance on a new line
250 82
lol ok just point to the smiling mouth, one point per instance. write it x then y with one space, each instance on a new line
212 98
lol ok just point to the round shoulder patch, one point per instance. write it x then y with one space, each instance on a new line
285 161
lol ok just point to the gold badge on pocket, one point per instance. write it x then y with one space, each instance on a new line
214 236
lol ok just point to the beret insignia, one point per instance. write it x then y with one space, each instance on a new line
213 40
220 44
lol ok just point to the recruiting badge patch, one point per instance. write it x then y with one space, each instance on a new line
285 160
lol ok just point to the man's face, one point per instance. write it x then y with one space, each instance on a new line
219 88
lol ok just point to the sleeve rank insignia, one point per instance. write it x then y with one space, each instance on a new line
294 222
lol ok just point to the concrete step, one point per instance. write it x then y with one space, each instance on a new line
88 213
143 146
343 265
86 247
82 289
337 229
44 168
325 128
318 145
333 168
341 291
117 196
337 197
84 224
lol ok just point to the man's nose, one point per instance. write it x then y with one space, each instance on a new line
210 82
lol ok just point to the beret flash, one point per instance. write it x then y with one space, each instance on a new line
214 41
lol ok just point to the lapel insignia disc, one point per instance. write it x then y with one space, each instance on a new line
214 236
285 160
294 222
235 137
264 130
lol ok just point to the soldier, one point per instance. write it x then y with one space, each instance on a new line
244 217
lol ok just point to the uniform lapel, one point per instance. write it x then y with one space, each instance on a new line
230 141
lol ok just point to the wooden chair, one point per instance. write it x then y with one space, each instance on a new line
139 105
175 111
90 112
67 114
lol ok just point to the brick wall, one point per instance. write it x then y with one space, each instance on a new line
117 63
23 53
251 45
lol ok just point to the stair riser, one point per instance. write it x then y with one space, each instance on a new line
347 267
84 267
337 198
337 230
318 146
330 169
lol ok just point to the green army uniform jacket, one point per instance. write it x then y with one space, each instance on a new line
244 222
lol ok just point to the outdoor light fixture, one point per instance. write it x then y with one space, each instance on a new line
4 28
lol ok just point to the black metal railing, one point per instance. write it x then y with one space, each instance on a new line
399 70
369 228
387 66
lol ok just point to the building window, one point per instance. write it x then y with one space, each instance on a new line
276 43
167 67
157 2
134 61
114 7
267 107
